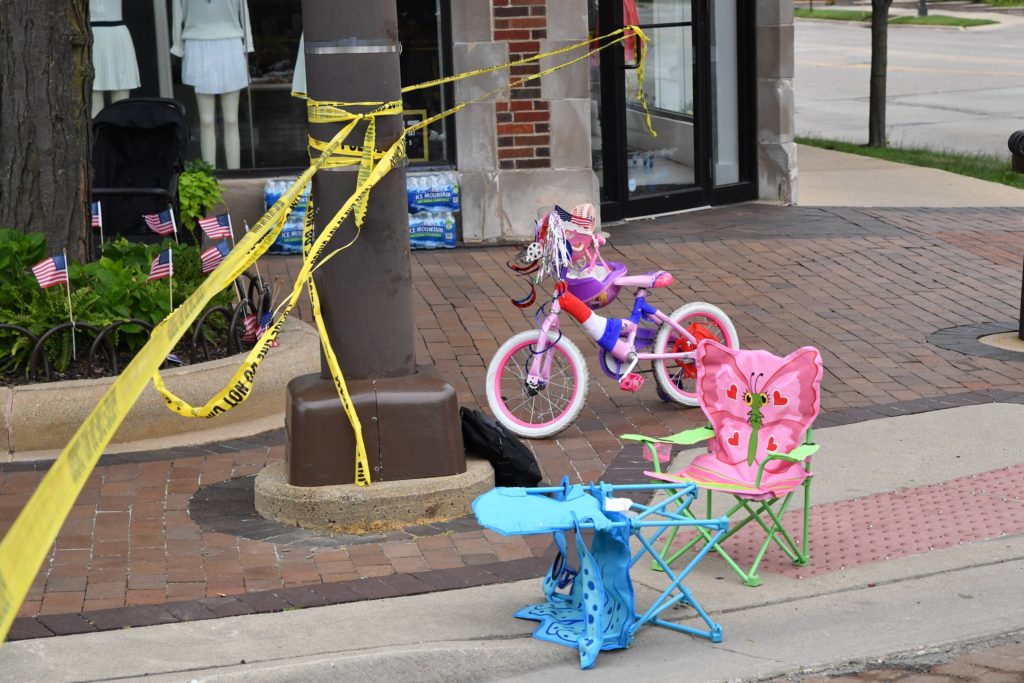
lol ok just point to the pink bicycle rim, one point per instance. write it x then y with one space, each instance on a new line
513 418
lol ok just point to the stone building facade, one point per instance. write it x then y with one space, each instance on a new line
719 85
532 146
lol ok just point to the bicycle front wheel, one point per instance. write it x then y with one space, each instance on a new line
677 379
544 410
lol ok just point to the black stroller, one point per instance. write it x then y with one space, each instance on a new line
138 151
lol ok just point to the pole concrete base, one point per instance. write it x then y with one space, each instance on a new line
411 429
383 506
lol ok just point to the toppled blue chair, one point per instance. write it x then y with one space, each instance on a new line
593 608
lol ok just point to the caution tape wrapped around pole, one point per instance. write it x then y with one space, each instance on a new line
30 537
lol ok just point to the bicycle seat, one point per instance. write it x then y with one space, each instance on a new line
597 292
651 280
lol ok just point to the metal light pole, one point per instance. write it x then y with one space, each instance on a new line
409 416
1020 319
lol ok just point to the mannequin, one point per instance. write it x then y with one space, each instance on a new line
113 54
213 38
299 73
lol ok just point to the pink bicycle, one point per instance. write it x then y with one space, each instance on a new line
537 381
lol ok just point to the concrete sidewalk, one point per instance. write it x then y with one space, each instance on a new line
923 601
830 178
894 298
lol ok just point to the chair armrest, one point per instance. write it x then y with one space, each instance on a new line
687 438
798 454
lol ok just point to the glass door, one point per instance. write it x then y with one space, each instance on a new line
643 174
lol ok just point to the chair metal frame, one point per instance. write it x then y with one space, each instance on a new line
668 514
755 506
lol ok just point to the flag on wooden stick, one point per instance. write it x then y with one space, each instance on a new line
214 255
162 266
52 271
216 227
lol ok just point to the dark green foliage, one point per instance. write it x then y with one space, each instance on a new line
113 288
198 192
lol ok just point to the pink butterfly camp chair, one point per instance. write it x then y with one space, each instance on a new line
760 408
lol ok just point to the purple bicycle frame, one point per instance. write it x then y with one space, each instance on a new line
540 366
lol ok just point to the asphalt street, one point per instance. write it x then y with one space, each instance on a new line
947 88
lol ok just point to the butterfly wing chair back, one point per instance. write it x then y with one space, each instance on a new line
760 408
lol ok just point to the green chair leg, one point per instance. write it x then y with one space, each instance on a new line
774 531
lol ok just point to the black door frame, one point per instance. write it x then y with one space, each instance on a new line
616 203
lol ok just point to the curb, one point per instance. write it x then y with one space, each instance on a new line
41 418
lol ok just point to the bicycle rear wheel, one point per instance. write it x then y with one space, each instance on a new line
677 379
542 411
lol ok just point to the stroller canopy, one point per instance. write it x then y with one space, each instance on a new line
138 151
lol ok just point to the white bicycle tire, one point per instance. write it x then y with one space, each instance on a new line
498 406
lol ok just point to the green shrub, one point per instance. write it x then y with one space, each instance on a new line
198 192
112 288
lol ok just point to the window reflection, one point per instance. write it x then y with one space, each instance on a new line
245 116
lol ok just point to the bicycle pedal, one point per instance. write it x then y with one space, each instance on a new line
631 382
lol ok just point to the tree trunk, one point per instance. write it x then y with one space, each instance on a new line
46 79
879 64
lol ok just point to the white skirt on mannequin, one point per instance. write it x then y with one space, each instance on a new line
214 67
113 57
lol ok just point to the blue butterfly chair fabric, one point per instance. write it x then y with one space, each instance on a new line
598 610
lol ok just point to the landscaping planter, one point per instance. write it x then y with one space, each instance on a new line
42 418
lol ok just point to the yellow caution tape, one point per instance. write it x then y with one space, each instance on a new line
29 539
240 385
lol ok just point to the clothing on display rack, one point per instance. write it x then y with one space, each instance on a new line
113 53
214 38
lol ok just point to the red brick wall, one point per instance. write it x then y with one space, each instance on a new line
524 134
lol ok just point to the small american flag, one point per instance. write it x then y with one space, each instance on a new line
582 220
249 328
52 271
162 266
214 255
563 214
266 320
161 223
97 215
216 227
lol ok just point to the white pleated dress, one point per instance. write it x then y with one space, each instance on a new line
113 53
214 67
213 38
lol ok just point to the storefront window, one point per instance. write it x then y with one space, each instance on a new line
669 81
232 64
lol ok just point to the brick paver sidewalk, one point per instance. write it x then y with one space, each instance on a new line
893 298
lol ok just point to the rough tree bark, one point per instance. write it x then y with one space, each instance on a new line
46 82
879 65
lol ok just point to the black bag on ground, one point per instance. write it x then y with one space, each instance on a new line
514 463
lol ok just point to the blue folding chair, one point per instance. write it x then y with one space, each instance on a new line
593 608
